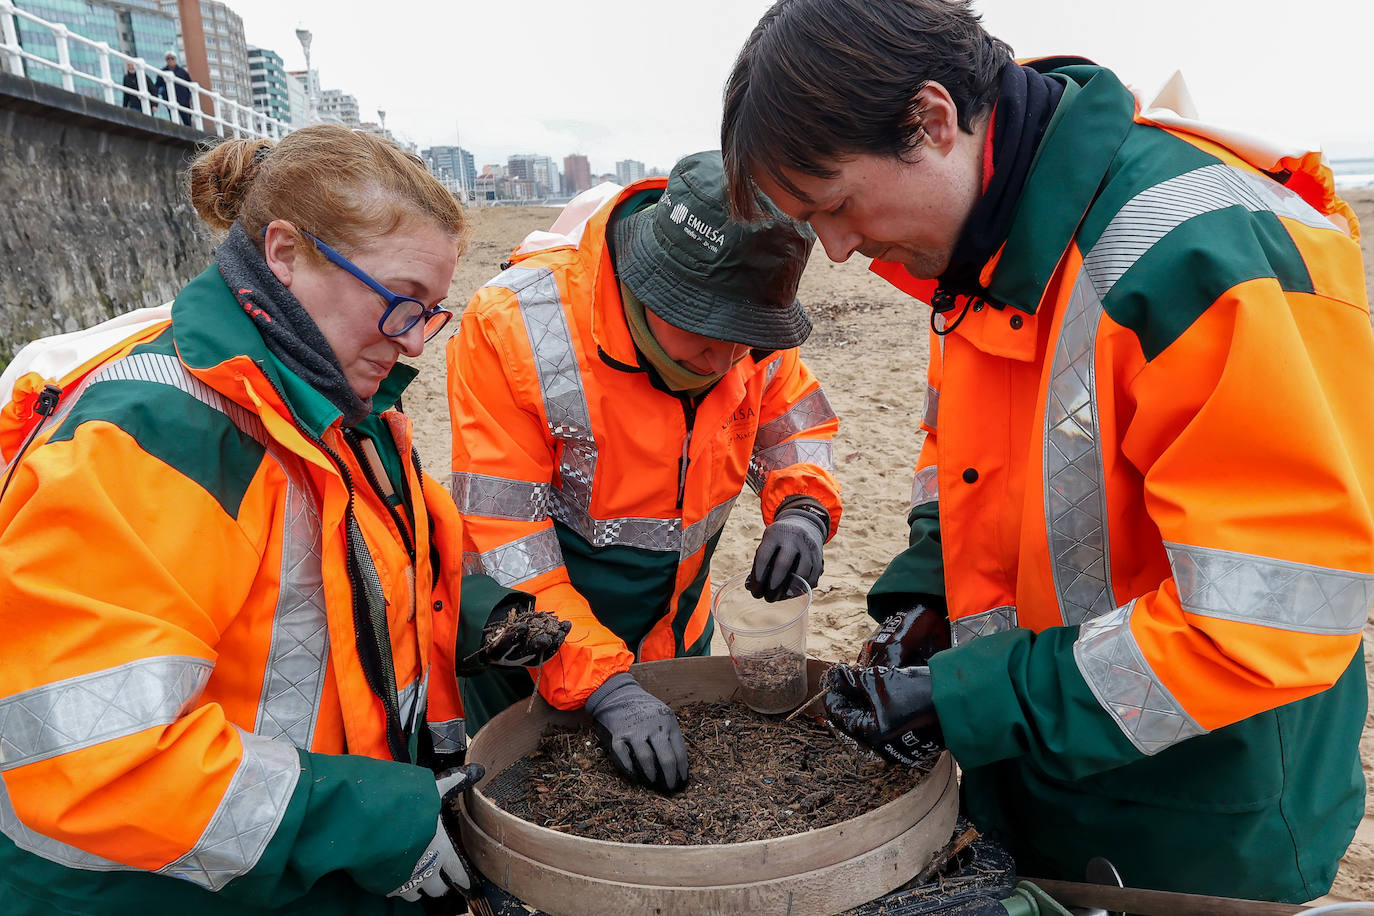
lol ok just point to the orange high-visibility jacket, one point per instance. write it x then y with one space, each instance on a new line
583 483
1147 493
191 682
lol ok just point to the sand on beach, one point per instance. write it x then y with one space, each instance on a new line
870 351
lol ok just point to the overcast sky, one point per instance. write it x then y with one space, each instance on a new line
642 79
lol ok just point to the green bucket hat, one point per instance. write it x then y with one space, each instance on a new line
701 271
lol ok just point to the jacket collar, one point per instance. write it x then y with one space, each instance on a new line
217 341
1064 180
1090 124
610 330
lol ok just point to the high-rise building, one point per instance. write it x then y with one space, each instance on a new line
577 174
271 95
309 83
628 170
520 167
538 173
337 105
226 50
299 102
138 28
453 166
548 181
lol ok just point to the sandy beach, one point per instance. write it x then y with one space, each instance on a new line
870 352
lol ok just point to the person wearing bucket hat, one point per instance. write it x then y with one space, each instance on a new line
613 390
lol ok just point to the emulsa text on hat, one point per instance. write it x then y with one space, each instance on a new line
708 237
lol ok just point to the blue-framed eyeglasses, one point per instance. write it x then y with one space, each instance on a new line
402 312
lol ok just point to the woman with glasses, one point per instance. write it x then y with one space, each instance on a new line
229 594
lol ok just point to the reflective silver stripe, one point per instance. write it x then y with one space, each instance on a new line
1075 502
662 534
808 413
243 823
153 692
247 817
795 451
168 370
411 700
925 486
81 712
1156 211
658 534
569 421
449 736
560 378
293 679
773 366
932 409
518 561
984 623
699 532
289 705
1128 689
1270 592
500 497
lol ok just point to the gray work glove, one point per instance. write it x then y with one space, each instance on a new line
792 545
639 732
441 867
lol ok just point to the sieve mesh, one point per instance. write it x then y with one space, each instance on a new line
507 788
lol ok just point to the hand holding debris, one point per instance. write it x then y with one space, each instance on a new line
523 638
891 710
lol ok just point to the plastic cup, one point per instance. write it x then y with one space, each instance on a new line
767 641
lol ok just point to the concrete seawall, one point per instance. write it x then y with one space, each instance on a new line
94 221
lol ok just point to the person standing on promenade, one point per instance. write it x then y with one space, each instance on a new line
612 391
132 81
229 594
1143 515
182 91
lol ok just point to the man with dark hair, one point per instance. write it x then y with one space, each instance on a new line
1142 537
613 390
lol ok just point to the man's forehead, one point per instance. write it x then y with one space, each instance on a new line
799 203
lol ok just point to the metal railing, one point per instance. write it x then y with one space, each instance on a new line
206 110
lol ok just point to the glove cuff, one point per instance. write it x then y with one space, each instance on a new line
511 601
807 507
612 685
881 607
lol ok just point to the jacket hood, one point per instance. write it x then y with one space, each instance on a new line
580 233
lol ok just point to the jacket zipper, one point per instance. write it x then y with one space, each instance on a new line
689 415
353 439
377 662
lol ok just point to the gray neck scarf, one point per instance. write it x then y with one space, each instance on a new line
287 329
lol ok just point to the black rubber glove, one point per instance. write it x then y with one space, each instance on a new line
908 637
891 710
640 733
793 545
442 868
526 642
